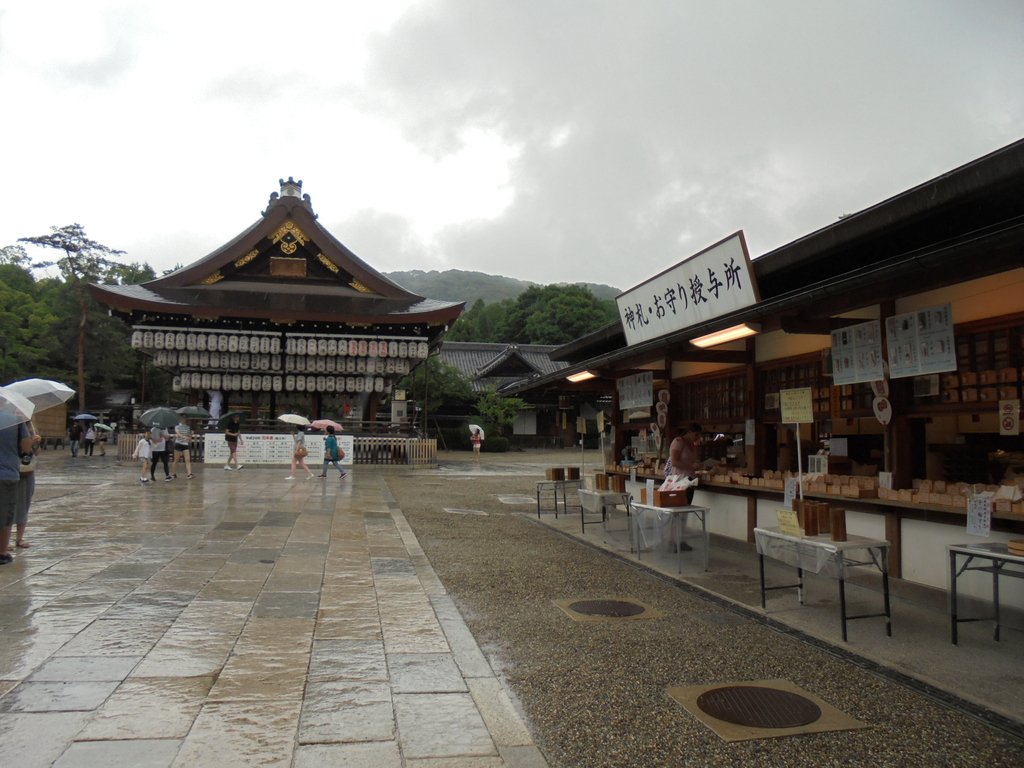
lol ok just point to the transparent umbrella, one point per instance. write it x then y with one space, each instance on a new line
14 408
43 393
294 418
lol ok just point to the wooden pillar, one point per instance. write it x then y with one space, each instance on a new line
893 536
751 516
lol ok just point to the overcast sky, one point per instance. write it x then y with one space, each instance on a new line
547 140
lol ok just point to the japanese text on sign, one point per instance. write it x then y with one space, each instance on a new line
797 406
857 353
636 391
712 283
921 342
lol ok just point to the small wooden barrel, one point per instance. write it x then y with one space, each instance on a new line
600 481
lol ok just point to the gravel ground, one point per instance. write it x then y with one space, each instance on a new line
594 692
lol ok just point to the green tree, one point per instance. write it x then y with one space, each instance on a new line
434 383
497 411
84 261
556 314
482 322
27 323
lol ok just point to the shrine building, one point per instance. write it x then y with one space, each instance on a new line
283 318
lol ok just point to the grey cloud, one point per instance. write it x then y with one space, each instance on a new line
682 122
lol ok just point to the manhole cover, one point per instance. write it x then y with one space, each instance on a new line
757 707
614 608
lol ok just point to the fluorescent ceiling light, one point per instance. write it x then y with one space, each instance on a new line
581 376
725 335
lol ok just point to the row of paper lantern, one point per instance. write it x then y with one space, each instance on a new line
205 342
356 348
266 383
271 344
292 364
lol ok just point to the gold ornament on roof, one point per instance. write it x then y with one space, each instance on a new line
328 263
290 237
243 260
216 277
359 286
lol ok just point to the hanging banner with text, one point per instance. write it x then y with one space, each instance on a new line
857 353
709 284
636 391
921 342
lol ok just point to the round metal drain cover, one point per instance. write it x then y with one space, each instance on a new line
757 707
615 608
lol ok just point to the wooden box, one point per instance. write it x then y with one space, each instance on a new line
554 473
969 395
951 396
859 492
670 498
1007 375
600 481
988 377
906 494
968 379
950 381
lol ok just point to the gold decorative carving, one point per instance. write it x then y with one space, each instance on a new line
328 263
242 261
216 277
290 237
359 286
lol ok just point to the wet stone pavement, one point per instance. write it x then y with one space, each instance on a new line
237 619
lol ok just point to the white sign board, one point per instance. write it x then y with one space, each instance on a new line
921 342
1009 417
797 406
857 353
979 515
712 283
636 391
272 449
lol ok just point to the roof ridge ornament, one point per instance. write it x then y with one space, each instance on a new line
289 188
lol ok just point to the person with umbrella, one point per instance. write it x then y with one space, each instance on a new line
75 437
15 446
182 446
90 439
158 449
299 453
476 437
333 453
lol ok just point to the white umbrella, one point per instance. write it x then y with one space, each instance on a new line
474 427
43 393
14 408
294 418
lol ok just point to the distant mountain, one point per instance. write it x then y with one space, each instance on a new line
461 285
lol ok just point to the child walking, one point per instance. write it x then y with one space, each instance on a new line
333 454
144 452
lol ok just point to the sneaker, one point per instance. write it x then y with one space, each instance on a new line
143 479
190 476
5 559
290 477
239 466
321 475
175 477
343 475
227 468
168 479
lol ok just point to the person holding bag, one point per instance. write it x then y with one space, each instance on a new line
333 454
26 488
299 453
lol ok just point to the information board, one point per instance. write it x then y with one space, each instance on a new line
272 449
636 391
857 353
921 342
796 405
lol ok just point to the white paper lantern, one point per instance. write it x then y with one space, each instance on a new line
137 339
330 364
300 347
403 349
378 384
246 382
197 380
204 381
300 383
360 384
424 350
310 363
179 340
342 347
214 381
266 382
289 346
389 365
371 348
193 358
382 349
222 343
176 383
392 349
350 384
353 347
332 347
275 362
361 365
289 383
160 358
190 341
321 383
278 384
339 383
362 347
329 383
243 343
201 342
